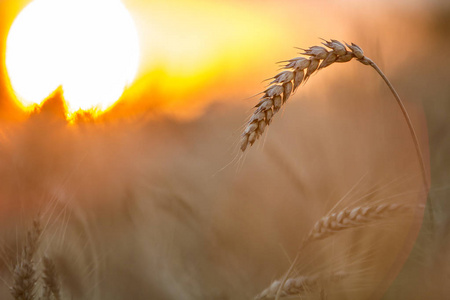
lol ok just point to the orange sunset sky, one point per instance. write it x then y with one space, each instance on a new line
193 52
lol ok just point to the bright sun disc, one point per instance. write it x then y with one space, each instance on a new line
90 47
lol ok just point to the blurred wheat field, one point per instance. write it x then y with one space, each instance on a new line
157 207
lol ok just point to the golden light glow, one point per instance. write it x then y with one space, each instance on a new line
89 47
194 50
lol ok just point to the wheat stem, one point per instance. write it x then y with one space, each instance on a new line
408 122
289 271
414 137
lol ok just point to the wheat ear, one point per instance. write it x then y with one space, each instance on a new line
297 286
51 282
351 218
340 221
24 275
297 71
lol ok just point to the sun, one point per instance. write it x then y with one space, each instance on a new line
89 47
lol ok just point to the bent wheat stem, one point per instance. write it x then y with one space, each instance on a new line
408 122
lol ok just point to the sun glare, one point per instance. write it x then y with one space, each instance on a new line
89 47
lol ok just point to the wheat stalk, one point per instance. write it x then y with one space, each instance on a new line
24 277
24 274
51 282
297 286
336 222
351 218
297 71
